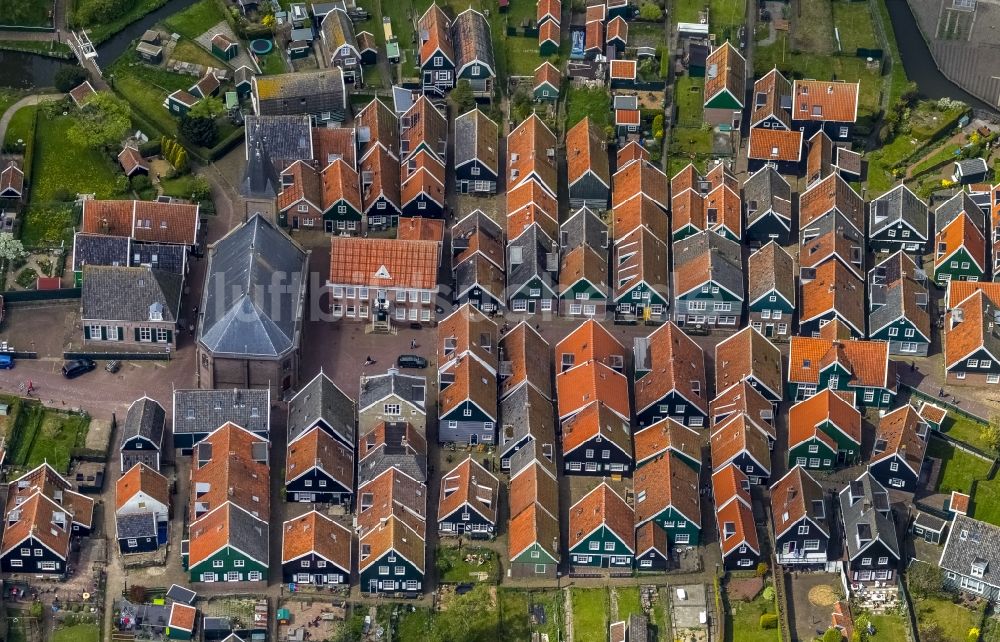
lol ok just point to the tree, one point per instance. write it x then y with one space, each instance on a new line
199 130
200 189
861 624
924 580
463 620
11 249
210 107
833 634
102 123
650 12
991 434
68 77
461 97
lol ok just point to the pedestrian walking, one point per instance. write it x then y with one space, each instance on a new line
413 344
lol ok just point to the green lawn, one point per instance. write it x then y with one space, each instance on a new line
60 165
689 145
690 98
743 621
628 602
101 32
16 629
274 63
986 500
812 27
77 633
456 566
49 48
515 614
399 12
687 10
8 97
806 65
888 627
26 13
582 102
959 469
960 427
590 615
955 620
146 87
43 434
991 629
189 51
414 625
942 155
725 18
853 21
196 19
19 128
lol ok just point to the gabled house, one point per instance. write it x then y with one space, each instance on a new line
583 287
687 202
421 185
377 125
668 436
467 403
531 205
652 549
590 341
531 156
142 434
831 195
130 306
639 213
725 86
587 168
737 441
873 552
142 510
12 181
640 277
616 34
601 532
584 228
590 381
771 291
773 140
392 397
392 526
330 197
229 508
466 332
734 518
468 503
900 444
372 278
666 493
970 171
423 128
381 195
548 11
548 82
525 359
959 241
767 203
831 238
933 415
337 32
322 95
837 362
631 151
198 413
972 341
902 319
834 293
316 551
824 432
744 399
772 102
470 34
708 281
899 221
321 405
436 51
801 523
596 441
532 267
319 470
670 378
527 421
777 148
968 561
622 73
533 530
828 105
549 35
477 147
639 179
593 39
890 272
749 356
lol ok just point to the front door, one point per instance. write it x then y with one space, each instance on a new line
465 187
473 439
295 222
328 226
531 306
769 330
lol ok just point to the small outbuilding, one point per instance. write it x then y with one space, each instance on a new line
224 48
150 53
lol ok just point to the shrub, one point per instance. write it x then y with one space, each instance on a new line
833 635
36 609
150 148
651 12
768 593
762 569
91 12
137 594
140 182
26 277
769 621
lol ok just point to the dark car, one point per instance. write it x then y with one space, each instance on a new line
411 361
76 367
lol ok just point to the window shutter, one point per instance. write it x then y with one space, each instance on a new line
136 331
86 332
121 334
104 333
170 336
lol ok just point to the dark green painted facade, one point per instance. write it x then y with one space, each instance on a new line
584 553
676 525
227 560
374 577
723 100
958 267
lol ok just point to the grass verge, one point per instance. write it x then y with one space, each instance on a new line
590 614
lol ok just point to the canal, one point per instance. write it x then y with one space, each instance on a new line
24 70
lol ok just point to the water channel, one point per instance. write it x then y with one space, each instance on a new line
24 70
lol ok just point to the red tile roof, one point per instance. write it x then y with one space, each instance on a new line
793 497
231 475
729 69
469 483
596 419
775 145
639 212
588 382
772 86
141 479
601 507
435 33
632 151
733 515
835 288
967 329
624 69
960 232
383 263
833 192
663 436
419 228
319 449
617 30
666 482
738 435
805 417
825 100
531 152
547 73
748 353
867 361
902 432
676 362
314 532
587 152
590 341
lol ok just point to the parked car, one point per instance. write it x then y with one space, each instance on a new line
76 367
411 361
6 362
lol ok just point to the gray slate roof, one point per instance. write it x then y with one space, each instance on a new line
770 192
99 249
180 594
971 166
202 411
476 139
248 533
283 139
135 525
583 227
950 209
322 401
471 34
254 294
638 628
534 248
893 306
530 452
378 387
478 271
414 466
897 266
899 204
168 257
260 178
526 413
772 270
145 418
725 267
973 543
864 506
115 293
